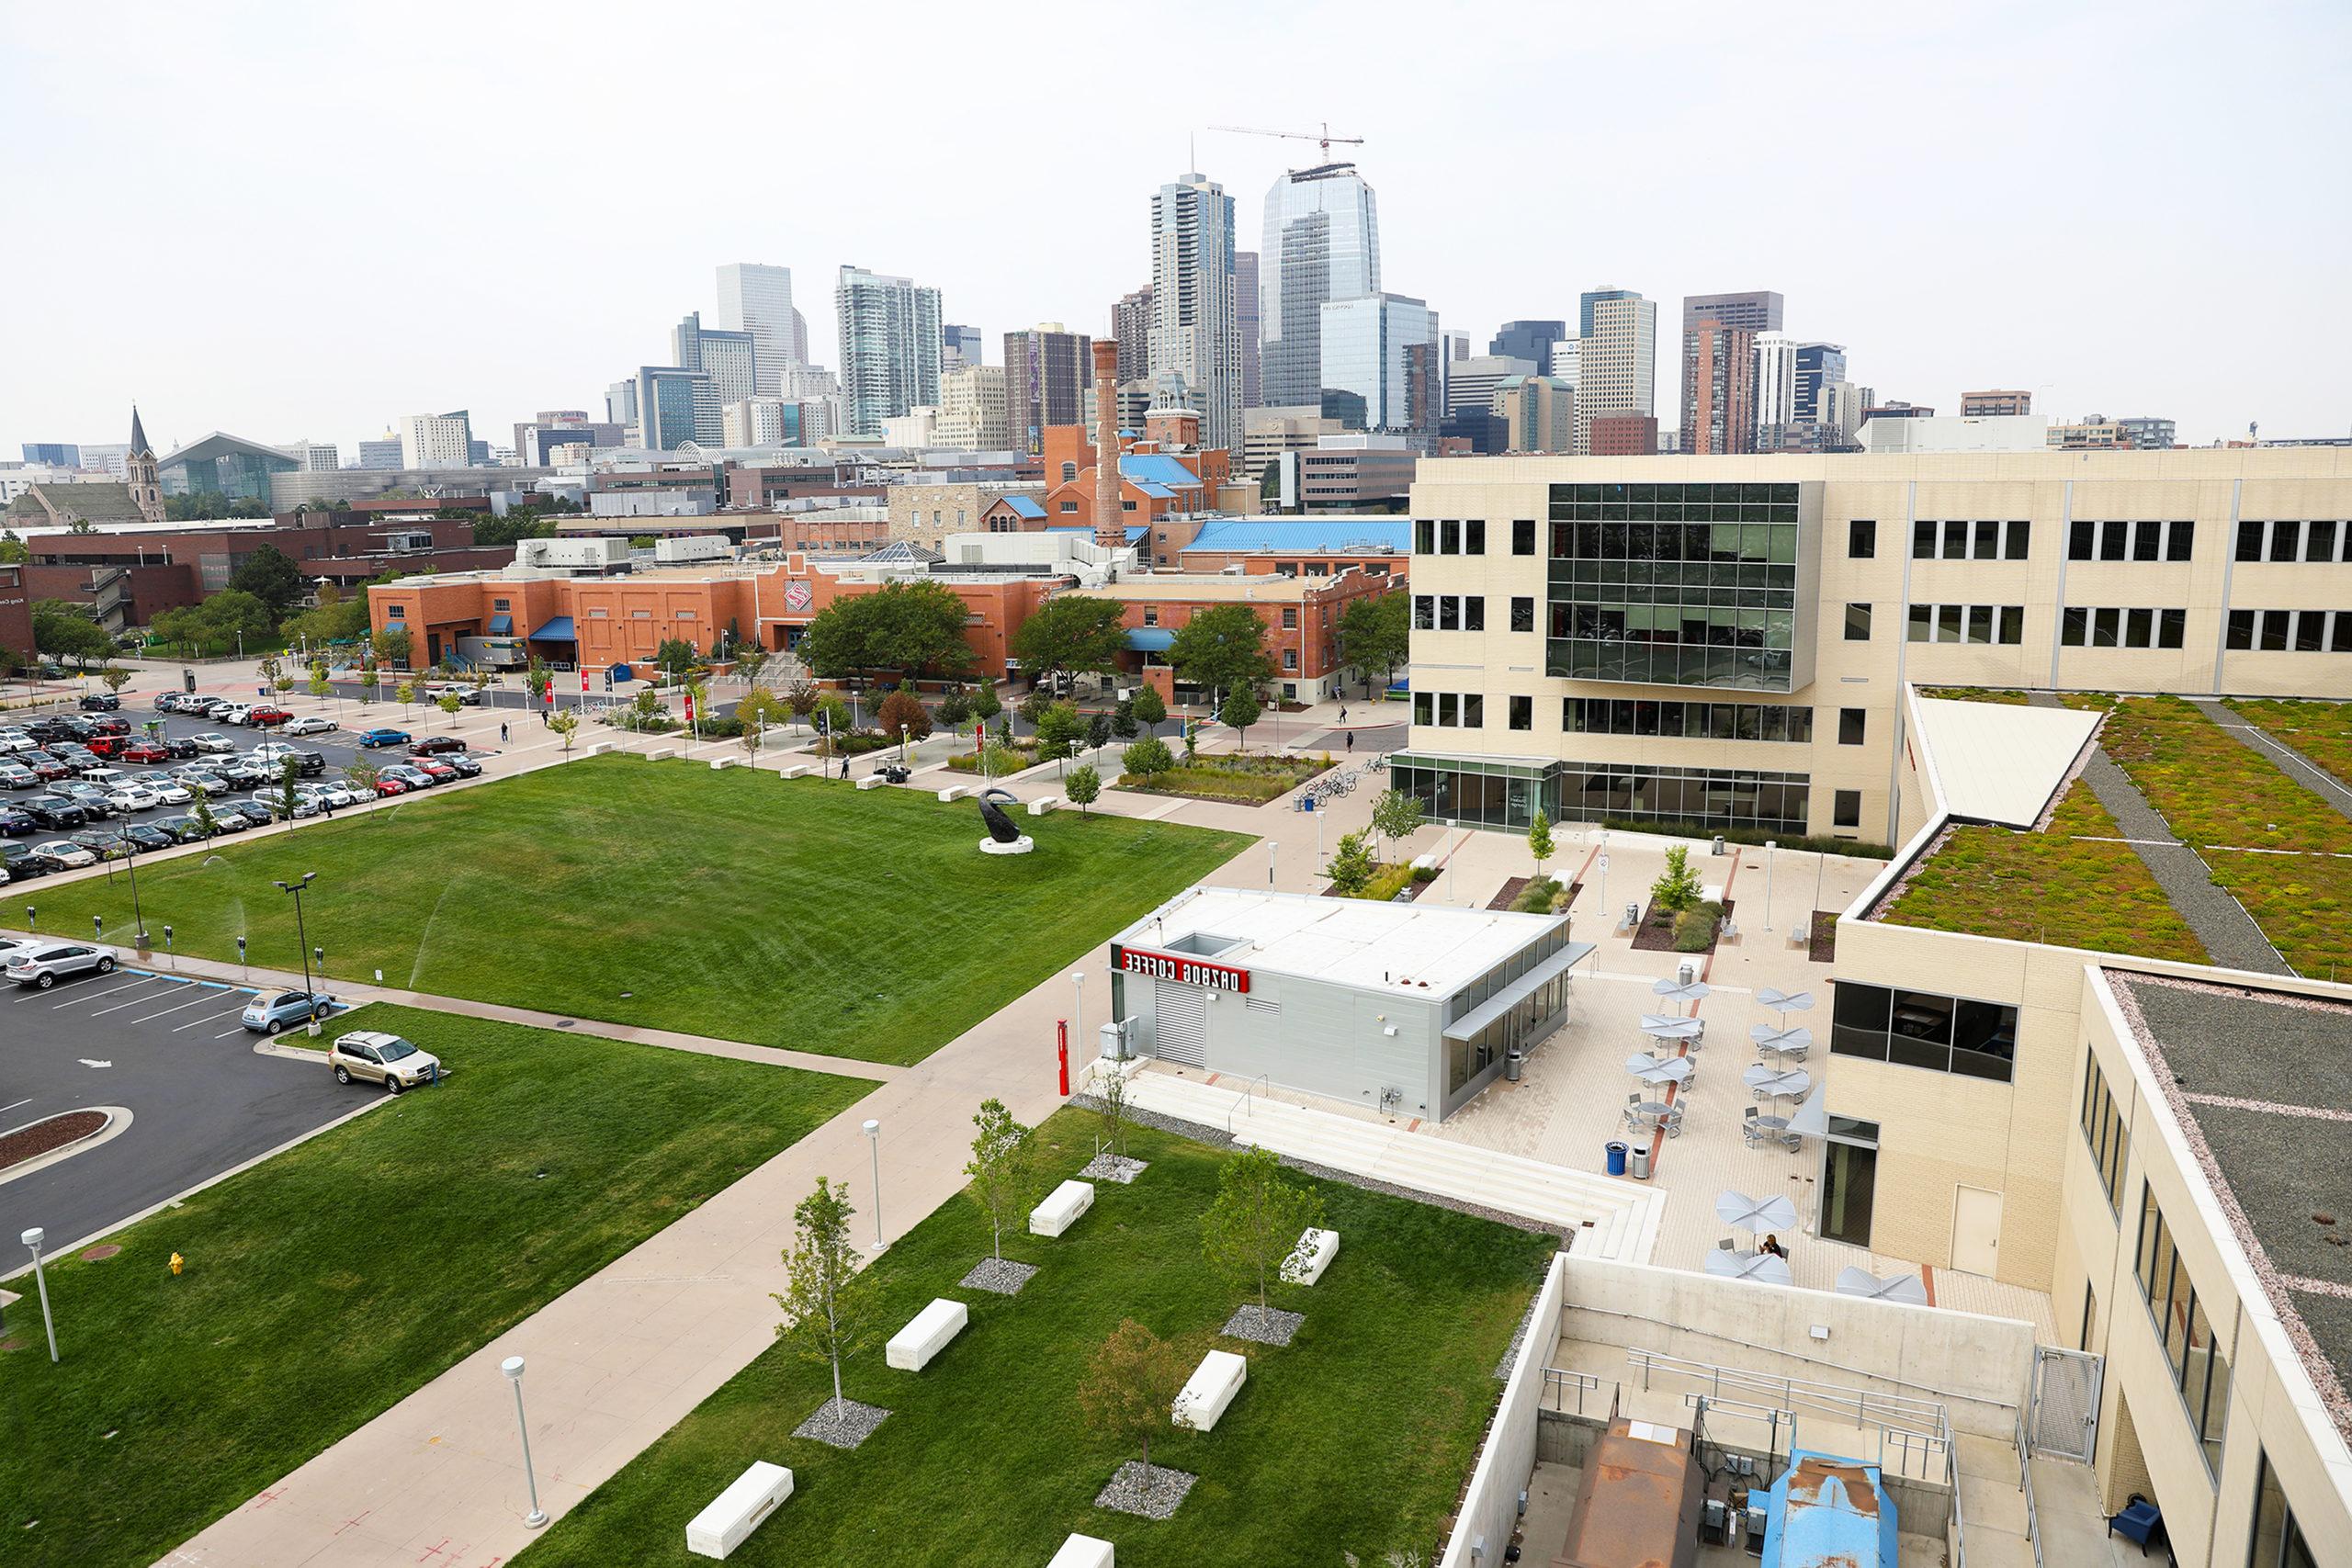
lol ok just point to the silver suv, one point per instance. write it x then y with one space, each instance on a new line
52 961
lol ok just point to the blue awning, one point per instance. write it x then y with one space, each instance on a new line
1149 639
558 630
502 625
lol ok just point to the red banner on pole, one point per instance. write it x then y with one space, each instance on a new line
550 692
583 680
1061 1043
690 708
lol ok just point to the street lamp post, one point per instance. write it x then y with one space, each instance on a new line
1271 847
32 1240
874 1141
1078 1019
138 919
301 935
512 1368
1771 847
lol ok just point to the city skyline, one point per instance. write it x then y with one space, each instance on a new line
224 329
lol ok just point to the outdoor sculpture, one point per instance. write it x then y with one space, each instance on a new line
1005 838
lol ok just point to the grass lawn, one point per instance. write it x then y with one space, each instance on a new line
2303 903
326 1284
1357 1435
803 914
2320 732
2049 886
2212 789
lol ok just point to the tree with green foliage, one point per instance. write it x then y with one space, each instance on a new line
13 551
954 707
1072 634
915 629
369 680
1147 757
1111 1102
336 619
825 1299
290 769
449 703
1059 731
1123 720
1375 633
833 718
1676 887
406 696
320 686
902 710
1239 710
1258 1222
566 726
676 658
1539 839
1129 1391
395 645
114 677
1353 867
1396 816
63 629
1150 709
1005 1173
801 698
1269 480
271 576
644 706
759 708
751 662
200 808
1097 731
1221 648
1084 786
1033 705
986 704
519 524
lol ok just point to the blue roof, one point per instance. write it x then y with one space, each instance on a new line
558 630
1024 506
1135 530
1306 535
1149 639
1154 489
502 625
1816 1518
1157 467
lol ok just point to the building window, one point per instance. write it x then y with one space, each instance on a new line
2200 1372
500 604
1449 537
2278 1540
2319 544
1522 536
1686 721
1852 724
1857 623
1473 613
2282 539
1845 808
2249 539
1070 506
1522 613
1861 539
395 611
1921 1029
1474 536
2103 1130
1425 612
1070 473
2018 539
1127 506
1151 615
1290 659
1290 617
1924 534
1424 535
2180 540
1522 712
2147 539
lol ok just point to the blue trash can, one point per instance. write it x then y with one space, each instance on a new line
1616 1158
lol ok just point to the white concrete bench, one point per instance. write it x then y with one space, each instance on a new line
659 753
872 781
1318 1246
1712 892
1425 863
718 762
957 792
738 1511
1061 1208
1210 1389
1083 1551
1039 807
926 1335
797 771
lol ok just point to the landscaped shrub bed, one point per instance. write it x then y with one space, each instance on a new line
1817 844
2212 789
2320 732
1249 780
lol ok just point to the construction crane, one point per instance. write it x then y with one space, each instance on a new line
1324 140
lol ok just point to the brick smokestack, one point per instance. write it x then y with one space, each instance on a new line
1109 522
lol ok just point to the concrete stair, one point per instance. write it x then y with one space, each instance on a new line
1602 1216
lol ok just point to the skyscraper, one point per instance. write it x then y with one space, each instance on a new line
1046 379
974 408
1321 242
436 441
1366 343
1817 365
1616 358
1527 340
730 357
960 346
1246 316
1996 404
890 343
756 299
1776 388
675 405
1194 323
1131 325
1719 371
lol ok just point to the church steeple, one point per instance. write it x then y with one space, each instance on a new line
138 471
139 448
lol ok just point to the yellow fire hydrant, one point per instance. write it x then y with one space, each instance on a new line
179 1262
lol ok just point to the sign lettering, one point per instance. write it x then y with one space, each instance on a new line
1182 970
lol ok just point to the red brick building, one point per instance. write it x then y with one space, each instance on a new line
1624 436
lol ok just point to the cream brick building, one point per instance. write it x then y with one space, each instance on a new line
975 409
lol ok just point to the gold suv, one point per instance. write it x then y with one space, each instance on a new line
373 1057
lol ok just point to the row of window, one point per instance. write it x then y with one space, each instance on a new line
2079 626
1468 537
2104 1131
2199 1370
2288 631
1715 797
1675 502
1456 612
1982 624
1955 539
2291 539
2141 539
1449 710
1711 543
1687 721
1919 1029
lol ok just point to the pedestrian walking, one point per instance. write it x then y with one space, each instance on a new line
844 764
502 732
1343 713
1351 739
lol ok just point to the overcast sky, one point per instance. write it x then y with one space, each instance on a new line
287 218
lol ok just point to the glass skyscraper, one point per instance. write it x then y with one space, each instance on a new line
756 299
1366 344
1321 242
1194 323
890 345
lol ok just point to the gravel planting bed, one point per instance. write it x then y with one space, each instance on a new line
1109 1167
843 1423
1151 1494
1000 1275
1270 1326
52 1133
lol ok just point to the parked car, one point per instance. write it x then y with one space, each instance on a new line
47 769
99 702
109 724
272 1011
127 798
309 724
434 745
254 812
227 821
371 1056
167 793
270 750
374 740
436 769
67 854
105 843
274 802
337 793
179 746
217 707
54 812
23 860
15 740
467 766
143 752
52 961
16 776
110 746
147 836
16 822
268 717
182 829
415 778
212 743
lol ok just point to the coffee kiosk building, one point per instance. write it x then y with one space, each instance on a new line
1403 1007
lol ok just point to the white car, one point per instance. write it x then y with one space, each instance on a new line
67 854
52 961
132 797
310 724
337 795
274 802
270 752
212 742
15 740
166 793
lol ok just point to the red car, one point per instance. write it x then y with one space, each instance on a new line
142 752
48 769
110 724
268 718
107 746
439 773
391 786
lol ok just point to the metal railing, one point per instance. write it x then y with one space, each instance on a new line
1864 1407
1244 1099
1559 1381
2025 1485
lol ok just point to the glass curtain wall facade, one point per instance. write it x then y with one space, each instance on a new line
1366 346
1476 791
1321 241
1675 584
234 472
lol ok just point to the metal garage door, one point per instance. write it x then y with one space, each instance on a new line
1183 1025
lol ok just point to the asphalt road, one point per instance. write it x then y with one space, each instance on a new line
172 1053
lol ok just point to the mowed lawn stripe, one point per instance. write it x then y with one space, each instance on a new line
804 914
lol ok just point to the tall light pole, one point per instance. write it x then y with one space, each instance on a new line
1770 848
512 1368
301 935
138 919
874 1141
33 1239
1271 847
1078 1019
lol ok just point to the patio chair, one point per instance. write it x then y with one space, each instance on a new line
2139 1521
1726 1244
1750 1132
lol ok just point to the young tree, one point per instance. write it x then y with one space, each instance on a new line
1072 634
394 646
1375 632
800 697
1111 1105
1353 867
954 707
675 657
1097 731
1033 705
1005 1171
320 686
1240 710
1123 720
1146 756
825 1299
201 809
1084 786
832 715
362 776
1258 1220
1676 887
565 725
644 706
759 708
903 710
1130 1387
1539 839
986 704
1221 648
1059 730
1396 816
1151 710
288 770
751 662
368 683
115 677
449 703
406 696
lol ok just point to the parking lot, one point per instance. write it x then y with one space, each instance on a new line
172 1053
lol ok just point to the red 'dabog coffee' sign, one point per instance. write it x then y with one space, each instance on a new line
1184 971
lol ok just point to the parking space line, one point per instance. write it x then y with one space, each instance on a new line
192 1002
207 1018
26 1101
101 996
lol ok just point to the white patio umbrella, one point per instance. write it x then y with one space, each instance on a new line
1794 1042
1658 1071
1761 1267
1676 990
1777 1082
1742 1213
1895 1288
1665 1028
